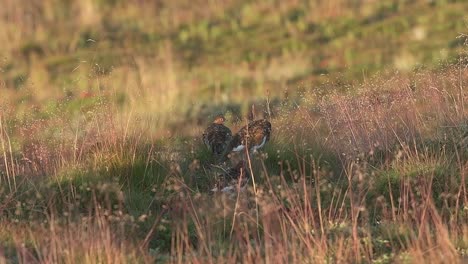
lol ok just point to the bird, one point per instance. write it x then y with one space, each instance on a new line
232 178
217 136
253 136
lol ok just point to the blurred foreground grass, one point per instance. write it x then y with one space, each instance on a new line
373 176
177 61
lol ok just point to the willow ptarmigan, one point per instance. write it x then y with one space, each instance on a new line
217 136
254 136
232 179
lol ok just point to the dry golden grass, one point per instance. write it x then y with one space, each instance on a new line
373 175
101 159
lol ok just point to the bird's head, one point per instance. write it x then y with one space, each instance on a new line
219 119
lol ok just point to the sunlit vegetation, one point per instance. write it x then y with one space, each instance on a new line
103 104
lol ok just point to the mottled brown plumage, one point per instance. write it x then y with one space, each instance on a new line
217 136
253 136
233 178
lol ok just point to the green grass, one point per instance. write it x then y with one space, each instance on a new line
226 50
101 116
152 194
